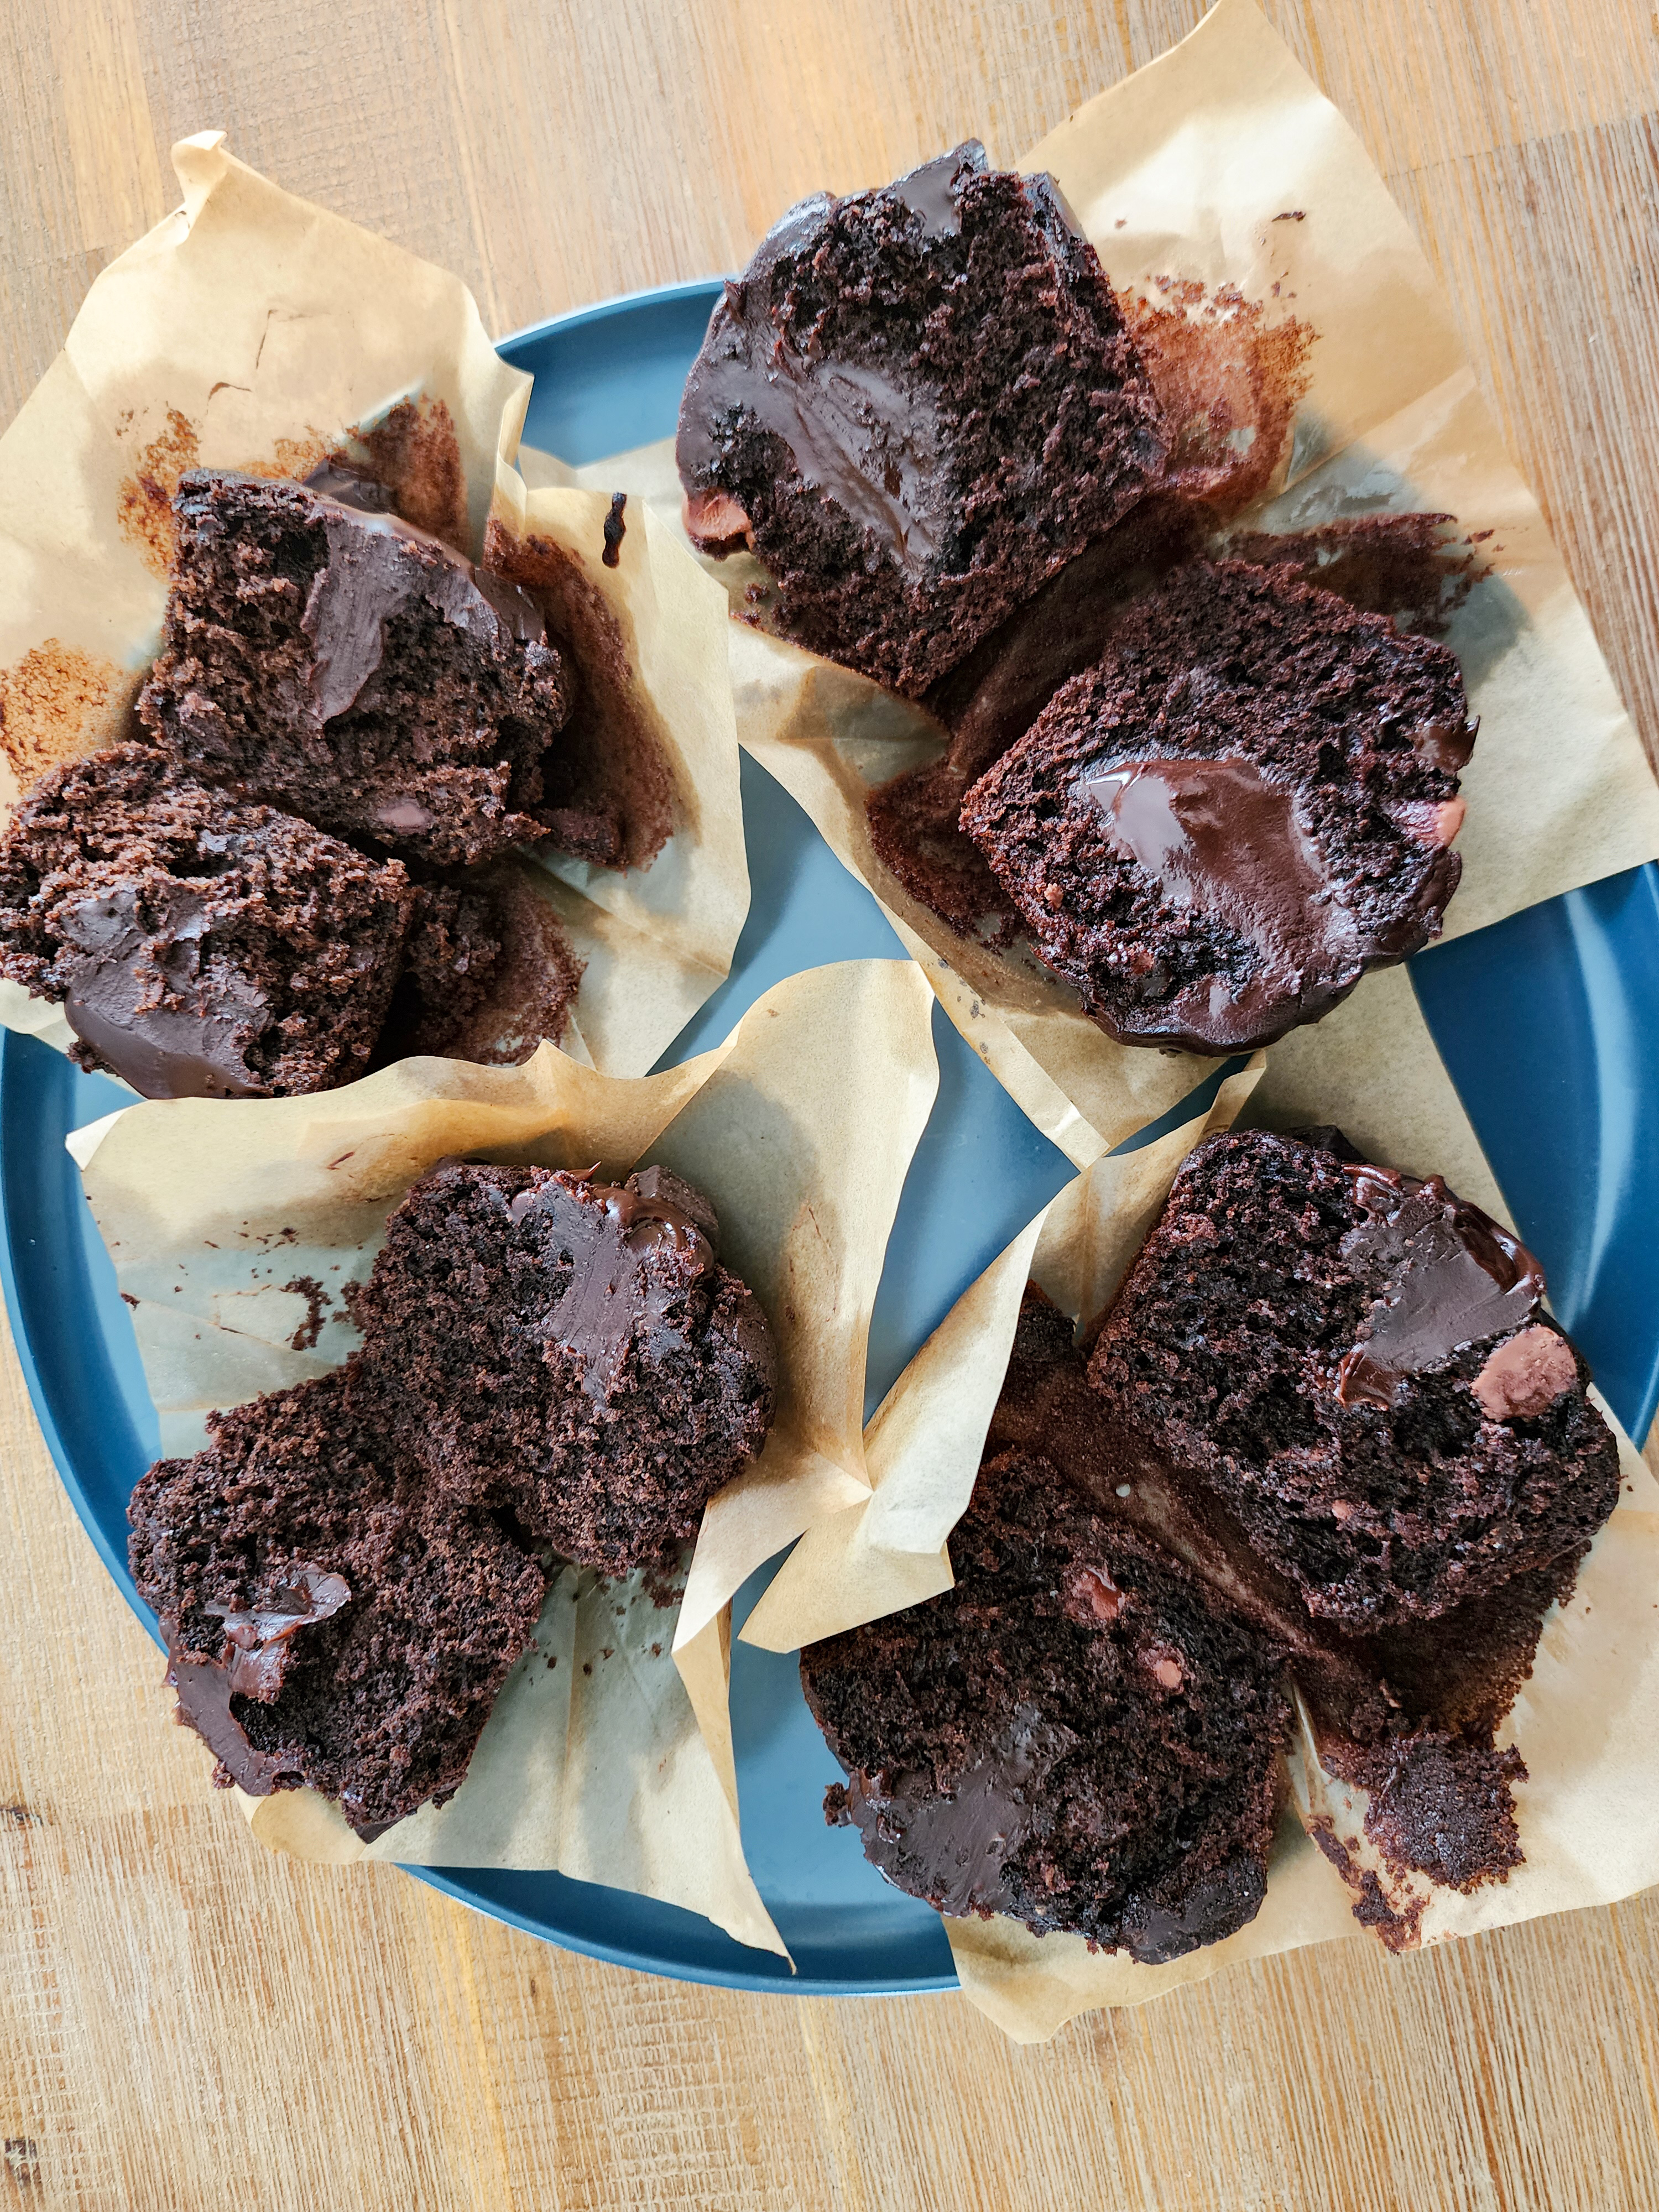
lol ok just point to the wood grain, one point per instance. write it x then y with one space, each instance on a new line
185 2021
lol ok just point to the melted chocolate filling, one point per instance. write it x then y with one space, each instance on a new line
1219 836
250 1663
142 998
1446 1276
633 1255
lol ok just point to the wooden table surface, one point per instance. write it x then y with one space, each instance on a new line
186 2021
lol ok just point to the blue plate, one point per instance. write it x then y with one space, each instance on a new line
1541 1022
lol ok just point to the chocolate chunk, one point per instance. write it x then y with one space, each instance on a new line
1446 1275
252 1663
615 528
1525 1374
632 1259
139 1001
967 1835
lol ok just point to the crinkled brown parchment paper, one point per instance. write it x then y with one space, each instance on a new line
235 1226
1221 166
251 329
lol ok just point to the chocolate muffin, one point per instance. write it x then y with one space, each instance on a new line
1247 802
1079 1734
332 1622
324 655
201 945
1359 1366
570 1350
914 405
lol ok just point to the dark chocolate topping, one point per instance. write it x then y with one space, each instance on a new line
633 1255
1220 837
377 565
250 1663
1446 1273
933 192
344 486
1217 1906
142 998
964 1839
615 530
514 604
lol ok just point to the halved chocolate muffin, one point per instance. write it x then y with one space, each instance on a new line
1079 1733
332 1621
1247 802
324 655
201 945
1411 1711
1359 1366
914 405
570 1350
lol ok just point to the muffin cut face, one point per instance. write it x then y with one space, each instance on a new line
1078 1734
332 1623
571 1351
1248 802
322 655
914 405
201 945
1360 1367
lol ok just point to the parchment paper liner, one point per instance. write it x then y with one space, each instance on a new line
251 329
1587 1722
1221 163
800 1127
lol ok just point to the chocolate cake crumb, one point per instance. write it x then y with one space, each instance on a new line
1439 1805
917 405
489 973
1420 1699
1307 1336
332 1621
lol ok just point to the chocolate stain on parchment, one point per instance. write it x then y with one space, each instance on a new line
414 451
144 504
1413 568
1399 1927
57 703
1230 377
609 773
